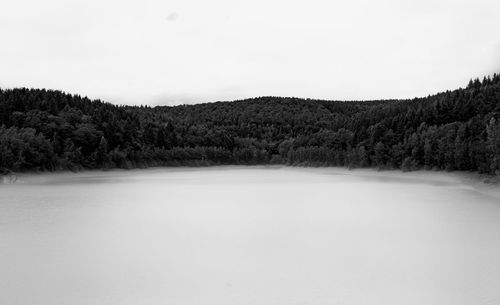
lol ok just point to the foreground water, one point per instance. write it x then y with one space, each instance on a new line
241 236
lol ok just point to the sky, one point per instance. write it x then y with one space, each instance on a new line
192 51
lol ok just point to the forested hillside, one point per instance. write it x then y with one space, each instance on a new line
46 130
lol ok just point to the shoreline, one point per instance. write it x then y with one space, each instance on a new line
483 183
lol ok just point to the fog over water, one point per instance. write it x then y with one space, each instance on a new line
245 235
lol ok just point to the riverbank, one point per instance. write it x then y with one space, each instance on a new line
485 184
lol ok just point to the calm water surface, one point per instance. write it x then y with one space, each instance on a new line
241 236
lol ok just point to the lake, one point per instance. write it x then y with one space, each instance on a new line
248 235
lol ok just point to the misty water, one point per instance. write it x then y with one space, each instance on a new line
241 236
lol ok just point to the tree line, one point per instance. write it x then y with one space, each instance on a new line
46 130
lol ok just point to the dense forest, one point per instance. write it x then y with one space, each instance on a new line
44 130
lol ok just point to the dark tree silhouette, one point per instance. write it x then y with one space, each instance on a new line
46 130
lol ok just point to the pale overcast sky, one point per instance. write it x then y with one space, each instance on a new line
189 51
